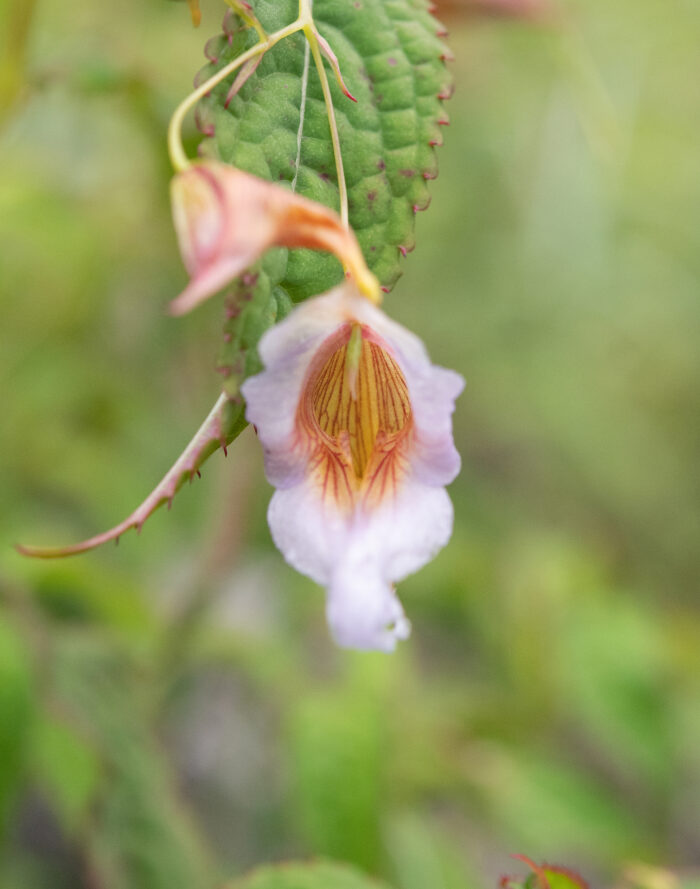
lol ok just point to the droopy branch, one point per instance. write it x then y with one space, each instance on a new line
221 426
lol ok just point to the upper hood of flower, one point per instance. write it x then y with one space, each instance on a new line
225 219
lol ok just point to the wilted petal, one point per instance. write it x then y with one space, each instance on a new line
355 424
195 12
225 219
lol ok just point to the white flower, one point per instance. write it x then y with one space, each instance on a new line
355 423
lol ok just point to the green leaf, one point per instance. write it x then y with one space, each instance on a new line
141 836
67 768
422 855
16 709
562 878
392 60
254 303
338 749
319 875
544 876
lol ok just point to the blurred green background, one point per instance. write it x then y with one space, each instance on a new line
172 712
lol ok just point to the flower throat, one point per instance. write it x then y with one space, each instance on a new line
359 399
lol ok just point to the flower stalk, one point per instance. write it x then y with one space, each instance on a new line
319 49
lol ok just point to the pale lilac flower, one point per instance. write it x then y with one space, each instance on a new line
354 420
355 423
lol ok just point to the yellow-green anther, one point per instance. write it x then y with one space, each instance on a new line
353 353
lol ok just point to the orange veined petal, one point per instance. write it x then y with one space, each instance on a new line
354 419
225 219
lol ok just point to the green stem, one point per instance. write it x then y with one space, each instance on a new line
330 109
177 153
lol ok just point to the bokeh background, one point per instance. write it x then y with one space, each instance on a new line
172 711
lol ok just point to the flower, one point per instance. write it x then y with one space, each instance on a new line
354 420
225 219
355 423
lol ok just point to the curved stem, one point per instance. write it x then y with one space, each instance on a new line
330 109
179 159
210 436
305 23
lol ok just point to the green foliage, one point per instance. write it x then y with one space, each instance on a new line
68 768
545 876
562 878
319 875
16 712
254 303
337 745
422 856
140 837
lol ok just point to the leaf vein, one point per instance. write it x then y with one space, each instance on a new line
302 112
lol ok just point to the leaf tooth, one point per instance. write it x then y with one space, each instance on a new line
204 121
408 247
425 203
212 49
201 77
229 25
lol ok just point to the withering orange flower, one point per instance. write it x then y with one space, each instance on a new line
225 219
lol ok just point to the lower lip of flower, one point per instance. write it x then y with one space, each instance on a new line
354 420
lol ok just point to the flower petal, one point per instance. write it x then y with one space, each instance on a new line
361 528
272 397
360 559
364 613
433 389
225 219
